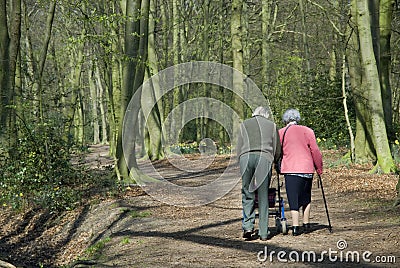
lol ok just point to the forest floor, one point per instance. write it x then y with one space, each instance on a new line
132 229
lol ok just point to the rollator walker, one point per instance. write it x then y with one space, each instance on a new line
276 207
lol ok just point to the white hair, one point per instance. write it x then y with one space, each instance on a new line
262 111
291 115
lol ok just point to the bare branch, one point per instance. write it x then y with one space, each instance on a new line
326 14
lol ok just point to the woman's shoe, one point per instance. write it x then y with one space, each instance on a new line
296 231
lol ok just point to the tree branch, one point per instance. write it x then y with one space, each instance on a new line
326 15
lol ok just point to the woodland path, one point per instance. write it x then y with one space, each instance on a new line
135 230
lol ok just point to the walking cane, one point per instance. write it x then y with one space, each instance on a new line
326 207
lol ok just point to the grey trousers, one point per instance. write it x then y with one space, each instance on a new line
254 165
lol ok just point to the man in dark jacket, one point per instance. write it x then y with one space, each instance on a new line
257 149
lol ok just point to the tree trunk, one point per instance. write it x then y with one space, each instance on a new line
14 50
31 63
385 22
94 108
165 26
136 52
154 121
346 113
364 151
129 67
204 120
266 31
371 76
103 114
226 93
176 50
78 95
113 76
43 57
5 86
10 34
112 72
306 52
237 56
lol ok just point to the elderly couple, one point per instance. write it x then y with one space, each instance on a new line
260 145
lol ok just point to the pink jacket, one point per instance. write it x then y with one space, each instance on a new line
300 151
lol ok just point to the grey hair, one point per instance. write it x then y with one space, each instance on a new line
262 111
291 115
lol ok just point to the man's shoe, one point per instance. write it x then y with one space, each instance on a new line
296 231
269 236
247 234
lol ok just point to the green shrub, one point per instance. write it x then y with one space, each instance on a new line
193 148
39 172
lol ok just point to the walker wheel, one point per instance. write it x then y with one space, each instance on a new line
284 228
278 225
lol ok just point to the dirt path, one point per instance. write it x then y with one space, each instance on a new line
136 230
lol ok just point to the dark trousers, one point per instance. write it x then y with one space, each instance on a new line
298 191
255 166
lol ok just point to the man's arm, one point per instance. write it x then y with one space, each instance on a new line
278 146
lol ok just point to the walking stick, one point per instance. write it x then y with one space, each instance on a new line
326 207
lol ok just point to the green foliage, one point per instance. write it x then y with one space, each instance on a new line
324 113
95 250
40 172
224 149
125 241
185 148
320 104
188 132
193 148
138 214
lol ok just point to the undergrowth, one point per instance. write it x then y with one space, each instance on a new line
43 171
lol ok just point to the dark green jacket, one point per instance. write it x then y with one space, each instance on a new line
258 134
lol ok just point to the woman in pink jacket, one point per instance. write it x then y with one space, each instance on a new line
301 157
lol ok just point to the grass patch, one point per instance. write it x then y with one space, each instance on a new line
136 214
139 214
125 241
94 251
